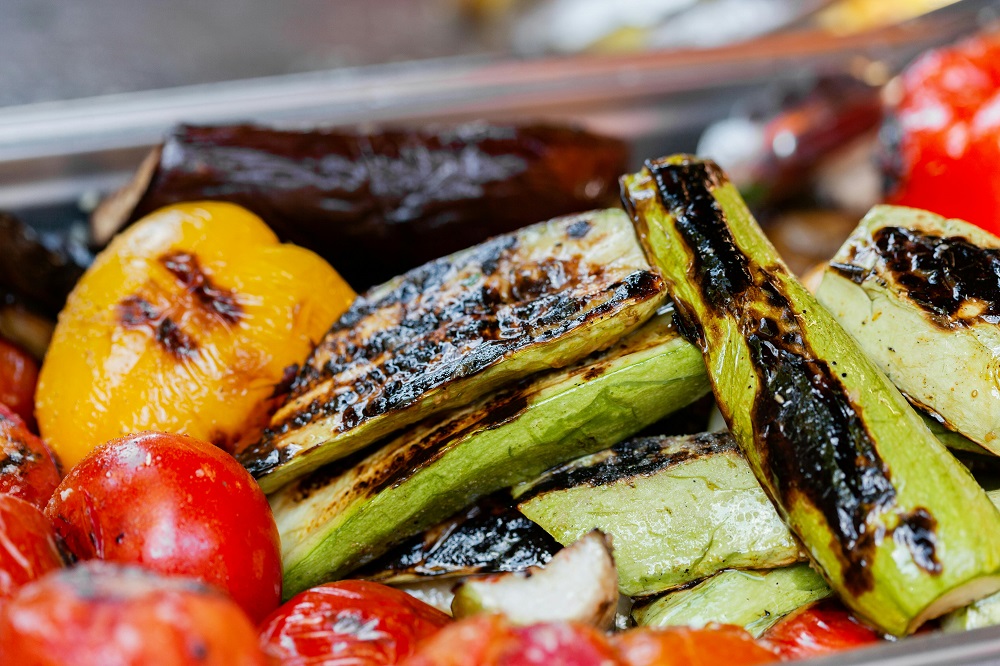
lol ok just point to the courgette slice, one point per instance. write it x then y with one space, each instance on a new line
754 600
451 331
678 509
346 514
491 536
921 295
899 528
578 585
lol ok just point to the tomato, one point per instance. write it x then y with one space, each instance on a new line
683 646
102 614
946 152
817 630
18 377
175 505
28 469
358 621
490 640
27 545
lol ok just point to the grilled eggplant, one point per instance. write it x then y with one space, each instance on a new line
578 585
489 537
346 514
921 294
376 204
900 529
752 600
677 508
442 335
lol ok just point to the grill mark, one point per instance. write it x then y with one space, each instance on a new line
628 460
814 441
214 299
917 531
136 313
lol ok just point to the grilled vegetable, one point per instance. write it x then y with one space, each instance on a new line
921 294
752 600
377 204
578 585
346 514
900 529
456 329
677 509
186 323
488 537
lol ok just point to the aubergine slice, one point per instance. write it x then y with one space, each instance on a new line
380 203
346 514
578 585
441 336
898 526
491 536
678 509
754 600
921 295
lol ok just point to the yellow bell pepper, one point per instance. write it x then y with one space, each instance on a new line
186 323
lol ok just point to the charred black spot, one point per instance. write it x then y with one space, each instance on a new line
947 276
489 537
594 371
917 531
188 271
628 460
855 274
175 341
688 325
135 312
284 385
721 270
578 229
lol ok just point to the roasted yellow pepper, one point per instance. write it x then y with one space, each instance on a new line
185 323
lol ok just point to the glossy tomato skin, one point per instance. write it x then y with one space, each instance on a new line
175 505
28 547
349 622
945 150
490 640
18 377
29 470
103 614
819 629
683 646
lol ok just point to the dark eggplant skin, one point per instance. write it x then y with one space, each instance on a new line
378 204
37 275
489 537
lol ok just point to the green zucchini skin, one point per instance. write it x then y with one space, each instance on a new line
754 600
921 294
343 516
899 528
678 509
456 329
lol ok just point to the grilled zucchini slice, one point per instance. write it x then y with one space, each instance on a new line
344 515
677 509
921 295
451 331
899 528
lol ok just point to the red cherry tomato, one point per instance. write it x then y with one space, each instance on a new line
683 646
102 614
27 545
18 377
27 467
489 640
948 123
175 505
352 621
816 630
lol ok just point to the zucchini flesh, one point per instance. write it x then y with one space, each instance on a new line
459 328
754 600
345 515
921 294
678 509
899 528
